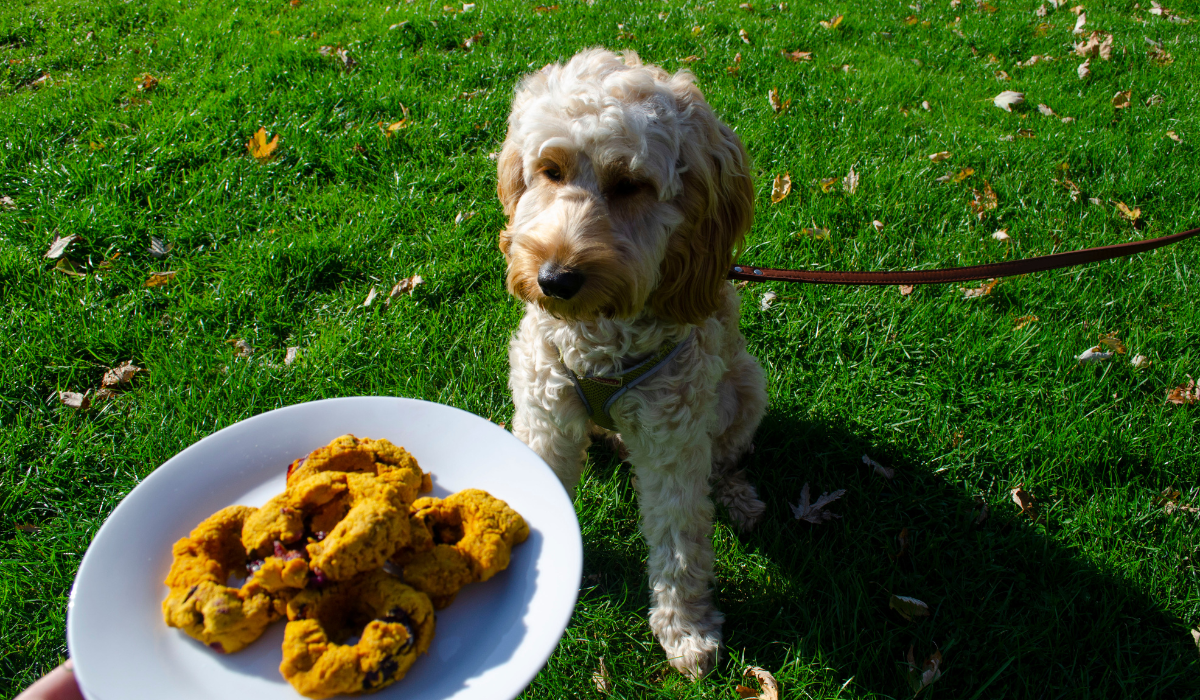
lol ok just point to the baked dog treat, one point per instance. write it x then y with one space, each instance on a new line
395 623
223 617
356 455
472 534
345 523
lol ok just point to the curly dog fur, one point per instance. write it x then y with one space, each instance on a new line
627 200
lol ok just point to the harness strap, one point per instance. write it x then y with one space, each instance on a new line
599 393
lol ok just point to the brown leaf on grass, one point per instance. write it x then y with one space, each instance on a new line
939 156
408 284
921 677
982 290
28 527
815 513
744 36
59 246
1041 11
1129 214
1084 69
879 469
370 297
158 279
121 374
1009 99
1139 361
850 182
1023 321
877 225
241 348
1079 22
689 59
777 106
828 183
781 188
903 541
1045 110
601 679
906 289
471 41
73 399
746 693
737 64
262 150
1098 44
1003 75
149 82
1184 394
957 177
67 267
985 200
833 23
770 687
817 234
1174 137
1094 354
290 356
796 56
1155 100
1112 342
1001 235
1121 100
909 608
7 202
545 8
1160 57
340 54
1024 500
158 249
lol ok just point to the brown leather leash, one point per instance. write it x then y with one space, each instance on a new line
957 274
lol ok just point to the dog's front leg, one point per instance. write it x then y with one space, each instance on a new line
677 516
548 415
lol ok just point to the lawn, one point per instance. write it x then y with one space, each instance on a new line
383 170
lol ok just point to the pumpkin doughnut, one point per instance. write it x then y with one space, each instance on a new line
226 618
395 623
472 534
356 455
345 523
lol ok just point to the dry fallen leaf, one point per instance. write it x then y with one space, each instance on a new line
939 156
1096 353
746 693
781 188
1121 100
148 83
982 290
1084 69
879 469
241 348
777 106
770 687
121 374
985 200
59 246
850 182
1139 361
1154 100
1008 99
817 234
463 216
290 357
833 23
1079 22
1160 57
798 55
158 279
877 225
600 678
408 284
906 289
1174 137
262 150
158 249
744 36
1023 321
1001 235
828 183
908 608
474 39
1129 214
1184 394
1112 342
1024 499
7 202
73 399
1097 44
921 677
1045 110
767 300
814 512
370 297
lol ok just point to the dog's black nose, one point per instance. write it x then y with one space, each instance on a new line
559 282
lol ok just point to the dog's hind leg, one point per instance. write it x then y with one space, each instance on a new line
742 403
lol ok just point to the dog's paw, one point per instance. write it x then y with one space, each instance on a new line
692 648
741 500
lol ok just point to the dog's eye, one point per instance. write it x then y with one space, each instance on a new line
553 174
624 188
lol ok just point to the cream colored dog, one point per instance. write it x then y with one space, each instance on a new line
626 200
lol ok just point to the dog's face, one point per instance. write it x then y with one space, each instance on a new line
622 191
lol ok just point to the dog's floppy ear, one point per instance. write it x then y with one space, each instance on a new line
510 184
718 201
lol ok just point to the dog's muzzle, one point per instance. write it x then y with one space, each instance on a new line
559 282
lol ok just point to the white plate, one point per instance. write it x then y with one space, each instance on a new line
489 644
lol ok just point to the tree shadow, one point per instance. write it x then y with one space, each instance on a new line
1014 612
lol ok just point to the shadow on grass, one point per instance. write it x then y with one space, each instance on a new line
1014 612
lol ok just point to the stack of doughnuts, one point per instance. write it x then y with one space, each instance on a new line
352 558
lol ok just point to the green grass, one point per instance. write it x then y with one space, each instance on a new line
1093 601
